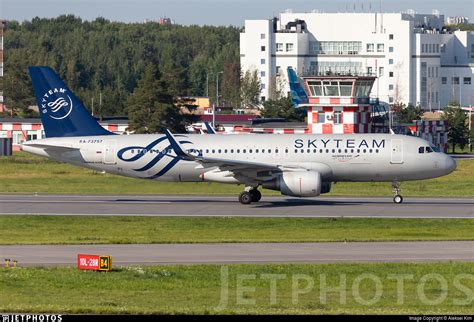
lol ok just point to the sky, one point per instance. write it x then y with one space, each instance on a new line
215 12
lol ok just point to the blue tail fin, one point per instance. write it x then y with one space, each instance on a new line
62 113
209 128
298 94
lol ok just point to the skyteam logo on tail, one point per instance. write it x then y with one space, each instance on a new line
56 103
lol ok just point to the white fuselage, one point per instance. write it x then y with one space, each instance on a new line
348 157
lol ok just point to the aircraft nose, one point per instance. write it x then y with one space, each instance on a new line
449 164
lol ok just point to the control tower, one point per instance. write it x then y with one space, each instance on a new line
338 104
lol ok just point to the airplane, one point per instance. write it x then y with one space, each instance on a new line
209 128
299 98
302 165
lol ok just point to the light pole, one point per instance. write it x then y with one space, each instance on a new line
470 128
217 99
217 87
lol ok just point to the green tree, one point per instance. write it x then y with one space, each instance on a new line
110 57
18 89
151 107
231 84
283 108
458 128
408 114
250 88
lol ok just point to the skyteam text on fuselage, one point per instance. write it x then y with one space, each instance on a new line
295 165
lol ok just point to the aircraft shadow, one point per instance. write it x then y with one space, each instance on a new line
299 202
302 203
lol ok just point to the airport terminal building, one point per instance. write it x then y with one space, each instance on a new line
415 59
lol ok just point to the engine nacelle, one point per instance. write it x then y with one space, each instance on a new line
297 184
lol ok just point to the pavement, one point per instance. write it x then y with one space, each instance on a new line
226 253
221 206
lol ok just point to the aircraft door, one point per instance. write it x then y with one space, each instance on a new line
108 152
397 151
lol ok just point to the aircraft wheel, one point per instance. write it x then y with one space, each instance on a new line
245 198
256 195
398 199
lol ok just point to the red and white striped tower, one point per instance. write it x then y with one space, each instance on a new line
338 104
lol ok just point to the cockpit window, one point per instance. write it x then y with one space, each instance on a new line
429 149
421 149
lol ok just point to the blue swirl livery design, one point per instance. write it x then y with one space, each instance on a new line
165 158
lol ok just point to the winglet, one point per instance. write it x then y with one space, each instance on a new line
177 147
210 129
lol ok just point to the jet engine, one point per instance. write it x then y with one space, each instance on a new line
298 184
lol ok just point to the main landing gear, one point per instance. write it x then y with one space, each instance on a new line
248 196
397 190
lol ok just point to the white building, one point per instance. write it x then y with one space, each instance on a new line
414 58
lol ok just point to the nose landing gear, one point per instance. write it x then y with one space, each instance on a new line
397 190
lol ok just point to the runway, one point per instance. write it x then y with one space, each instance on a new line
154 254
197 206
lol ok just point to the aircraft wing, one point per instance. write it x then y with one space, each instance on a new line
245 168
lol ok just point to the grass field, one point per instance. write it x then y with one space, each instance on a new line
24 173
133 230
435 288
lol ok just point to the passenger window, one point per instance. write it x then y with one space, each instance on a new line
352 150
276 150
231 150
238 150
296 150
256 150
339 151
269 151
286 151
225 151
244 151
320 150
377 151
315 151
250 151
219 150
370 151
302 150
213 151
421 149
309 151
